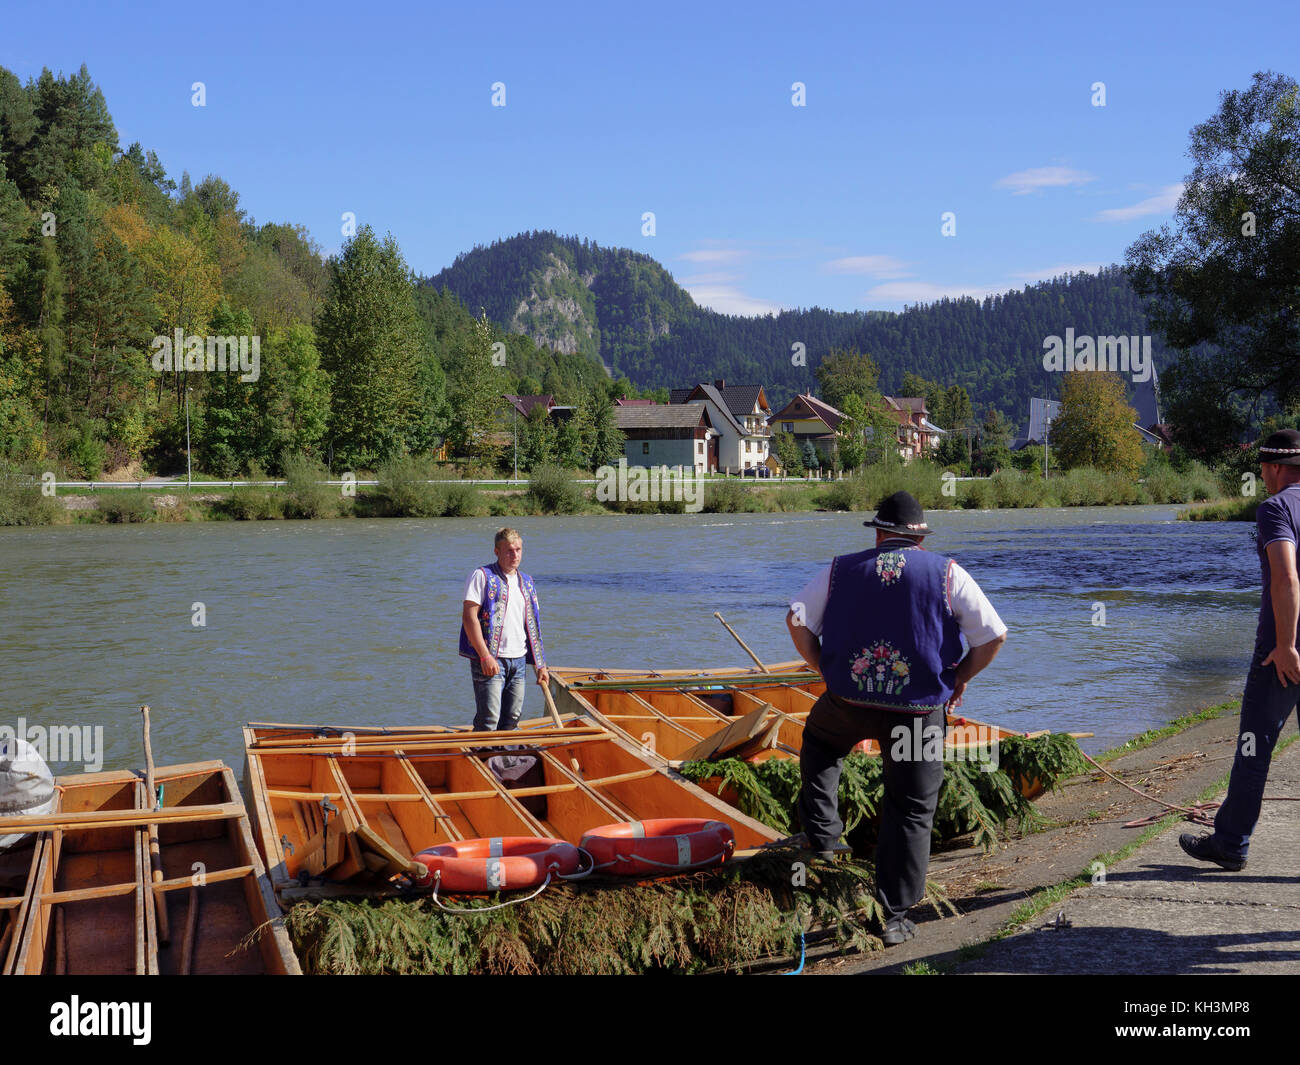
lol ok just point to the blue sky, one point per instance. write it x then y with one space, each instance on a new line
686 111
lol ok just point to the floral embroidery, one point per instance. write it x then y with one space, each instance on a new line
880 669
889 566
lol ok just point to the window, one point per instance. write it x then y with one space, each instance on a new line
645 448
787 427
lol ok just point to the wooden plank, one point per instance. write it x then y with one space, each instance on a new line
116 818
740 732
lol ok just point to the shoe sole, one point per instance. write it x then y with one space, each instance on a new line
1223 863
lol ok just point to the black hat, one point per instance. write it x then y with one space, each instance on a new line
1282 447
900 513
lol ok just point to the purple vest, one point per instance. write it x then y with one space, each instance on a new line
889 638
492 615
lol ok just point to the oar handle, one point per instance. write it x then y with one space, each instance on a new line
757 661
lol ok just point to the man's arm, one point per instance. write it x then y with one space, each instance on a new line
1284 588
469 618
976 659
805 642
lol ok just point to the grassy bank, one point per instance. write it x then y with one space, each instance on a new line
414 488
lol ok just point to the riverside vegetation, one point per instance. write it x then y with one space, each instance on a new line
420 488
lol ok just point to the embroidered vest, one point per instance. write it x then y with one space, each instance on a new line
889 638
492 615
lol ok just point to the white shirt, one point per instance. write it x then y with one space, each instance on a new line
514 641
971 609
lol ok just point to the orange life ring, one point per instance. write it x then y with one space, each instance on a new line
666 844
502 863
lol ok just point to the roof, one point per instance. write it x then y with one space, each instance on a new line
524 404
814 406
710 393
931 427
734 399
1040 412
915 404
636 403
659 416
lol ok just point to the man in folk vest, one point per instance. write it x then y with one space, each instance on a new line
500 634
884 628
1273 681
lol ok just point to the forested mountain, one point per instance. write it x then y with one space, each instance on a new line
624 308
107 264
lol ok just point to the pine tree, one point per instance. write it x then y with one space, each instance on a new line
371 344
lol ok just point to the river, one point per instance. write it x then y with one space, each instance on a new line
355 621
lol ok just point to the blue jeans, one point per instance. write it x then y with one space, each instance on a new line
1265 708
499 700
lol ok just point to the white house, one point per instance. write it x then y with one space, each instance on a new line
739 414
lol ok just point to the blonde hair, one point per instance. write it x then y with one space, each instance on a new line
506 533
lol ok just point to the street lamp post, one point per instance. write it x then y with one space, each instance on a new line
189 476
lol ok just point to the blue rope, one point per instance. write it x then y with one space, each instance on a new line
796 972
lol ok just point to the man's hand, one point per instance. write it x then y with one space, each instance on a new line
958 690
543 676
488 665
1286 660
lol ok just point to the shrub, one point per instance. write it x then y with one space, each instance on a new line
21 501
728 497
305 496
125 507
417 488
552 491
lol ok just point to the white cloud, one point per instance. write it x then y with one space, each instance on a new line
713 292
1028 277
882 266
925 292
716 255
1042 177
1161 203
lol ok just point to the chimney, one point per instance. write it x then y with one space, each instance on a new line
720 384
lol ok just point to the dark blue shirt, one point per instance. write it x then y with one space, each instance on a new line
1278 518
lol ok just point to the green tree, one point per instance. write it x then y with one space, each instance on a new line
1222 284
787 451
845 373
474 397
537 439
850 443
994 451
1095 426
812 459
291 398
372 345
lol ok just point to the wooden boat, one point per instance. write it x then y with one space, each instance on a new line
91 904
710 713
343 811
18 866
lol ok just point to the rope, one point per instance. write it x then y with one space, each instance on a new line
1198 814
796 972
437 880
580 875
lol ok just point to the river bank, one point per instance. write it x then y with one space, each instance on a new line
1010 899
553 491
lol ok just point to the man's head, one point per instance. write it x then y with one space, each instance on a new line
1279 459
899 515
509 547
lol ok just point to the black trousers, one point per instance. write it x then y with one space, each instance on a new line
912 784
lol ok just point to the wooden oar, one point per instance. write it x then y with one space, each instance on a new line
155 850
555 716
757 660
